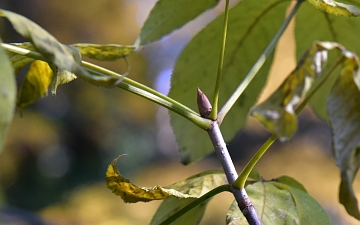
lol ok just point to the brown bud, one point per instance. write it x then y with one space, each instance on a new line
203 103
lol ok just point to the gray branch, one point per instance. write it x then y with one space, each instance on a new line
244 203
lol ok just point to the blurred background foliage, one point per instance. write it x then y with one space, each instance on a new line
53 164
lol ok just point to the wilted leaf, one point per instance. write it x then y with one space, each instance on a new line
325 27
61 77
335 8
277 112
190 188
343 108
36 84
7 94
108 52
197 66
64 57
168 15
280 204
19 61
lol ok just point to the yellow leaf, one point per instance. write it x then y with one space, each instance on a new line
36 84
130 193
193 187
108 52
62 77
335 8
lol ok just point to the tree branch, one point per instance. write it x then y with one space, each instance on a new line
244 203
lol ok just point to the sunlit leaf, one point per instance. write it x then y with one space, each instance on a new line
280 204
277 112
196 185
168 15
7 94
61 77
19 61
64 57
108 52
344 113
325 27
335 8
197 66
190 188
36 84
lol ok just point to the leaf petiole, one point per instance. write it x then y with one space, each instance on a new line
128 85
213 114
257 66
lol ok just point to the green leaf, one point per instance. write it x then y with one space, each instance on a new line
108 52
290 182
36 84
197 66
327 27
168 15
196 185
172 205
343 108
280 204
192 187
7 94
335 8
64 57
277 112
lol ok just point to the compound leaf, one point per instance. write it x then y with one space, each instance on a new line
197 66
168 15
7 94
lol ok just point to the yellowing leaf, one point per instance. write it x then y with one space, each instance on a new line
64 57
192 187
36 84
343 108
7 94
277 112
108 52
61 77
19 61
335 8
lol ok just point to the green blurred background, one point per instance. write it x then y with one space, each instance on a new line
53 164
